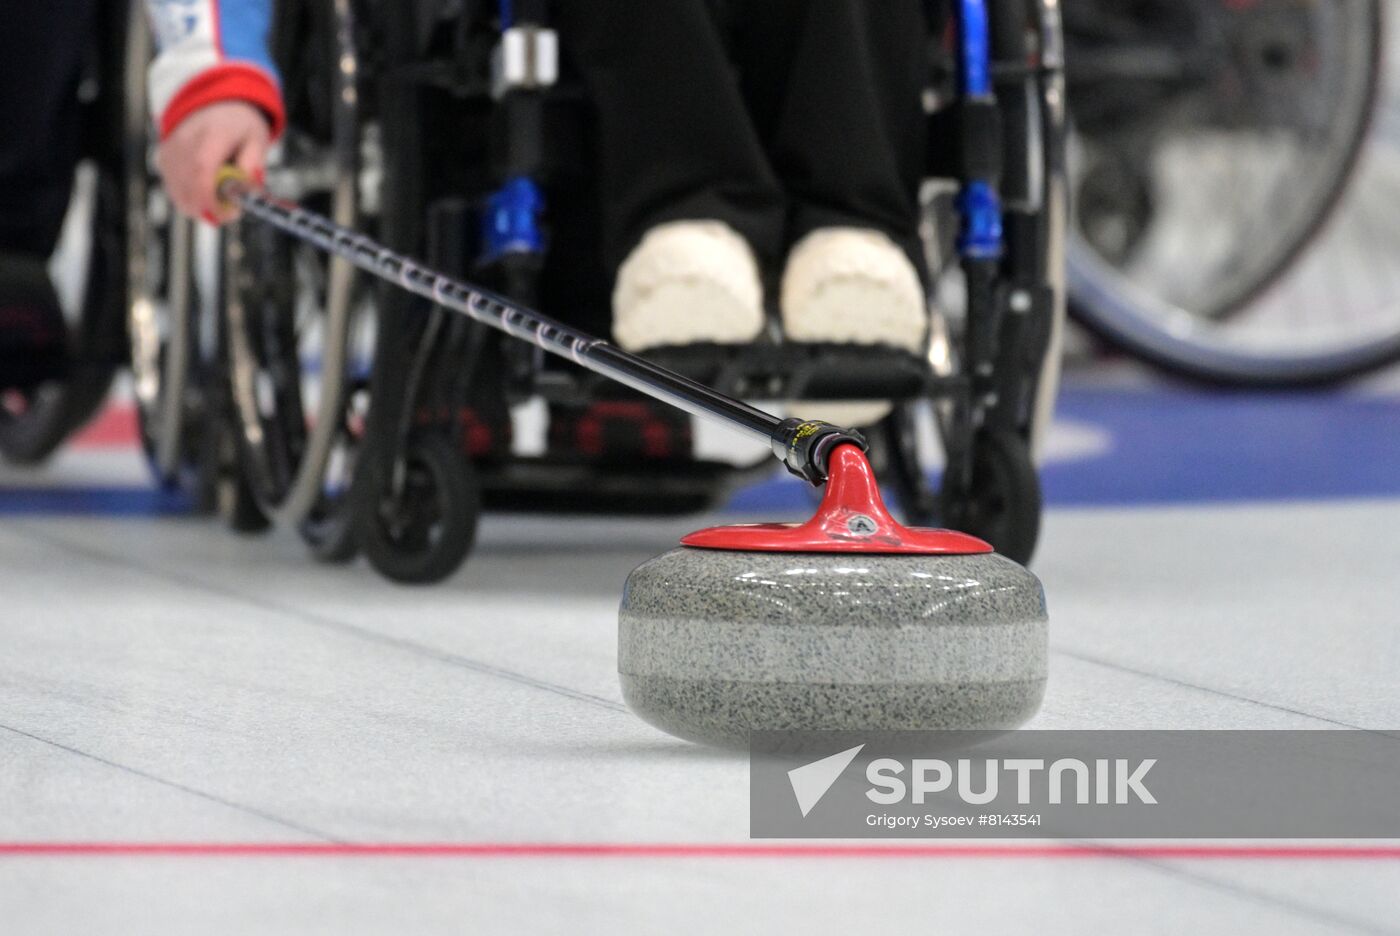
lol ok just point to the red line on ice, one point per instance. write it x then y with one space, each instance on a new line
684 851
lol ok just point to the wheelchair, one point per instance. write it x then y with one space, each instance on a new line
344 398
36 421
1268 118
174 318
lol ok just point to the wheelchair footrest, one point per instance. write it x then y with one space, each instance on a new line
804 371
551 485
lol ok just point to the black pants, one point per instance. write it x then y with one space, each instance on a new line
42 46
776 116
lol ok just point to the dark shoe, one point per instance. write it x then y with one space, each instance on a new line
33 333
623 431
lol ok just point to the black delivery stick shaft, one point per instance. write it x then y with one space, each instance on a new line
802 446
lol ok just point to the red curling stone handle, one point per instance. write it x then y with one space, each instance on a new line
851 519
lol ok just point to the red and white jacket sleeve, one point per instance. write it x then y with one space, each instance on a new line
212 51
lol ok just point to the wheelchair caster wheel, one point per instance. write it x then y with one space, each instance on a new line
896 438
1003 503
239 508
422 533
330 537
233 497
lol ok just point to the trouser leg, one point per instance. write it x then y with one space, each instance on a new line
41 54
835 88
675 137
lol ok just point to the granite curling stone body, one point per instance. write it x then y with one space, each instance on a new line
848 622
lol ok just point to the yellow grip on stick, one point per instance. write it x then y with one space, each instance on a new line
229 184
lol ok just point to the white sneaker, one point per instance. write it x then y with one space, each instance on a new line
688 282
852 286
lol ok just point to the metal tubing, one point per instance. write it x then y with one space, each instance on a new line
974 29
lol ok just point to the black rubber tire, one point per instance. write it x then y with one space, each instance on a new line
331 539
29 440
203 482
1004 505
287 445
234 500
240 509
1117 323
894 453
160 247
97 341
197 472
446 495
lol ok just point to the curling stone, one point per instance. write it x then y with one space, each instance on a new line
848 622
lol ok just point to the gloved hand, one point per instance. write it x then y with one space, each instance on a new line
189 159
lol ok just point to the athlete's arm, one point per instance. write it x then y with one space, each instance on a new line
215 94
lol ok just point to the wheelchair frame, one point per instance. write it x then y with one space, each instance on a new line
992 382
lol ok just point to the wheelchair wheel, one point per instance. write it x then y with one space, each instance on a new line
894 452
1258 124
424 521
293 314
1003 503
233 497
170 312
329 530
991 429
35 422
